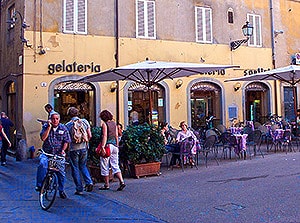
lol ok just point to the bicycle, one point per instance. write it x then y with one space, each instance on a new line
49 187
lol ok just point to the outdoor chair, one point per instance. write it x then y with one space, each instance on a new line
257 125
221 128
233 145
254 140
265 135
172 134
185 152
296 137
210 132
224 143
247 130
209 147
286 141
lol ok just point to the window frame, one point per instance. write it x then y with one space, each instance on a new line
145 24
204 26
75 17
256 39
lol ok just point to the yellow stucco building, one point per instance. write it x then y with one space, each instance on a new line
67 40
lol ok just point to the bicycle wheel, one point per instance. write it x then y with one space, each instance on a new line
48 191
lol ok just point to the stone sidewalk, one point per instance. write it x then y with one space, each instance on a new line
256 190
19 201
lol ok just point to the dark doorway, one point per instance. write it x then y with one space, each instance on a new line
79 95
257 97
138 100
205 101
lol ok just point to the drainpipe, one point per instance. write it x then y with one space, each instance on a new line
273 53
117 57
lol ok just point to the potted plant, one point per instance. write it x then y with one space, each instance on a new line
142 147
93 158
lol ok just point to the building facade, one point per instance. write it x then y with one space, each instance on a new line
47 46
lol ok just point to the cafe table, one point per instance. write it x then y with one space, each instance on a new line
242 144
277 135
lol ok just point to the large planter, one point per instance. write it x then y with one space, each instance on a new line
145 169
95 173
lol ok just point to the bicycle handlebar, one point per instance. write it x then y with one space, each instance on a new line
51 155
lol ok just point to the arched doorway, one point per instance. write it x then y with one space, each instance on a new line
11 111
75 94
257 97
138 99
206 100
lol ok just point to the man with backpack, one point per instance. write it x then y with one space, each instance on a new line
80 132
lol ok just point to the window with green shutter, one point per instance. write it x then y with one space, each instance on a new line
75 16
255 39
145 19
203 17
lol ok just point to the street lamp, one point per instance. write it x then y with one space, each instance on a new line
247 30
12 22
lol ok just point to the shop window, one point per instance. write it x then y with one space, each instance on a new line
205 102
139 101
79 95
289 111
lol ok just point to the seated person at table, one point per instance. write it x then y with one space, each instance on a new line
171 148
184 136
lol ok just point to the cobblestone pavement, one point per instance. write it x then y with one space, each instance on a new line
257 190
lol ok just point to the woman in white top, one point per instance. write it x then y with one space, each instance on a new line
183 137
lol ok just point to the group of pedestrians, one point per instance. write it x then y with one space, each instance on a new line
59 139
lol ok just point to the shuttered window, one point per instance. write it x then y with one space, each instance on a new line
255 39
75 16
145 19
203 17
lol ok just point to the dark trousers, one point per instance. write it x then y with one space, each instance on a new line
174 148
4 150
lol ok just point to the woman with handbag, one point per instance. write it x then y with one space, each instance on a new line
110 139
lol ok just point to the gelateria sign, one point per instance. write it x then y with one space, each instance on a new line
73 67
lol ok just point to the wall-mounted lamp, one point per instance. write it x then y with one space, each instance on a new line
237 86
42 51
113 86
178 83
247 30
276 32
12 23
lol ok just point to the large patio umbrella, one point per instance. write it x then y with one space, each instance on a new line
149 73
289 74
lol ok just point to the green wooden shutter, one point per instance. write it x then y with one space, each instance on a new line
151 19
140 19
69 16
81 16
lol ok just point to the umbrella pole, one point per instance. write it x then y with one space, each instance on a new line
150 105
295 102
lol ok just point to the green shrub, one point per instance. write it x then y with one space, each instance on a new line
93 143
142 144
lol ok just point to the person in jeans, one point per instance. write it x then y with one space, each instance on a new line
6 124
56 139
110 137
79 153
